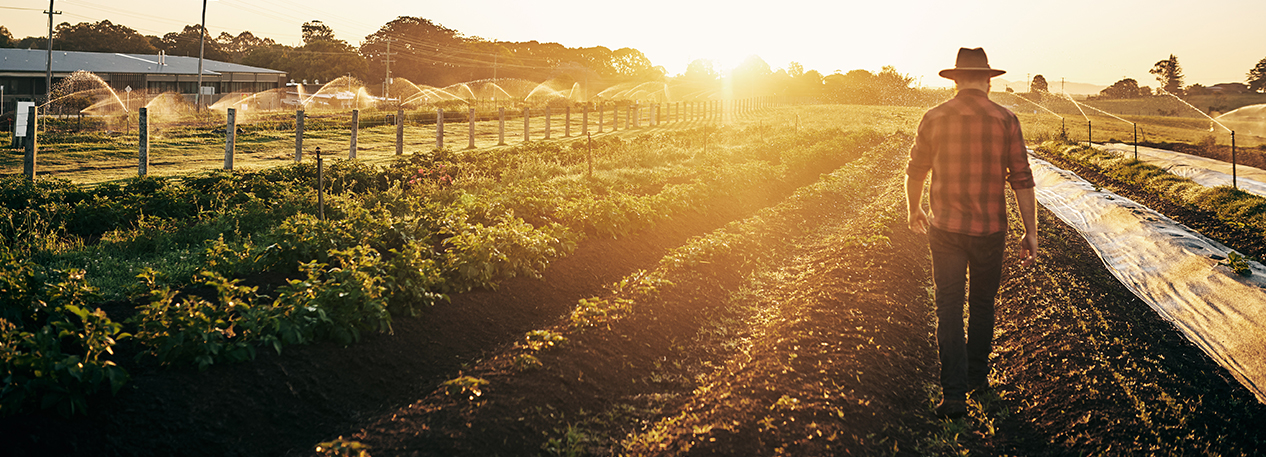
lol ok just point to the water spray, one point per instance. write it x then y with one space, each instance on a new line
1234 183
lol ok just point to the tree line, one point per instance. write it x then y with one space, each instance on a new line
427 53
1170 79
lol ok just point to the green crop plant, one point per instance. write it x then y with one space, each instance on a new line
54 349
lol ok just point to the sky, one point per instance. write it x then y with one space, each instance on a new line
1084 41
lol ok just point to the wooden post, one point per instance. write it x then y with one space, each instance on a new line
299 118
439 128
32 144
399 131
320 184
501 135
567 123
471 135
584 121
351 153
600 109
548 124
527 113
142 133
230 136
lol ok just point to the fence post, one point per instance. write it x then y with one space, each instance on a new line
32 144
299 118
548 124
615 117
567 122
472 129
584 120
320 184
142 134
351 154
601 107
439 128
399 131
501 135
230 135
527 113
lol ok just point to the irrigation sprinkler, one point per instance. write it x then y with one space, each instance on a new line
527 118
567 122
1234 181
399 130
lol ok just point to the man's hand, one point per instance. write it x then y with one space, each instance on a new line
1028 250
918 221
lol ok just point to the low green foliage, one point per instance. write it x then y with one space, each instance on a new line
465 385
53 348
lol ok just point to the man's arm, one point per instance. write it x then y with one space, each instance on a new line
915 217
1026 199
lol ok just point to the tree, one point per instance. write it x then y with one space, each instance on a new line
701 70
6 38
1039 84
629 62
237 47
101 37
795 69
185 43
1125 88
1169 75
1257 77
418 49
317 31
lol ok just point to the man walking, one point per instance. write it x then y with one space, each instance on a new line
973 149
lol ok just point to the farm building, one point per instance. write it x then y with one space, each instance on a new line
22 74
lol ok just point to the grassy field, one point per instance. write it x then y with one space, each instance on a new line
178 148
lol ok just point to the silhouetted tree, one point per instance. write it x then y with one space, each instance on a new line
6 38
1039 84
185 43
237 47
317 31
1125 88
1257 77
1169 74
101 37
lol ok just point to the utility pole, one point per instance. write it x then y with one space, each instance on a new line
197 98
386 89
48 68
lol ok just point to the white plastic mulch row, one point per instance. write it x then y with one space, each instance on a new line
1204 171
1178 272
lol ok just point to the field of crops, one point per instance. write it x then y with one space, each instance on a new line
738 289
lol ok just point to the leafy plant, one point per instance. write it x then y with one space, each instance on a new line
465 384
1239 264
53 348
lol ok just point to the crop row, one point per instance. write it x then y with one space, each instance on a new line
212 267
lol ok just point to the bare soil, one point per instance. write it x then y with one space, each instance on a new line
809 336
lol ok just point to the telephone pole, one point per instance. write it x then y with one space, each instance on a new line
48 68
197 98
386 84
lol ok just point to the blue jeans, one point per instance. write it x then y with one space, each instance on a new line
955 258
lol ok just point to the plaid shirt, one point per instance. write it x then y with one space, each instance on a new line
972 146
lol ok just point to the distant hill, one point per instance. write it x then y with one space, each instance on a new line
1000 84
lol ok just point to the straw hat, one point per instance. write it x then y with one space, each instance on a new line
970 60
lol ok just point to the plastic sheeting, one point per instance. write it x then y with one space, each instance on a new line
1204 171
1181 274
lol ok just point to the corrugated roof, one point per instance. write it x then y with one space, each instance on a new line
33 60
